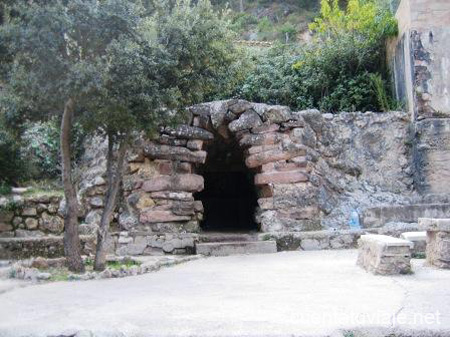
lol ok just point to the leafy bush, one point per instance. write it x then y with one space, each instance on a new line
11 165
342 69
4 188
242 21
40 147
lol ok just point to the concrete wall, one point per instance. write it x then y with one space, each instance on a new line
420 62
420 57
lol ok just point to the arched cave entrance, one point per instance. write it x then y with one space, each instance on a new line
229 198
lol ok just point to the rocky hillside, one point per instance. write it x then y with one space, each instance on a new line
264 20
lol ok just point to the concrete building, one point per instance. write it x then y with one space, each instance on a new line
420 57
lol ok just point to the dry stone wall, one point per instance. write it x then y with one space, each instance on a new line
34 215
311 170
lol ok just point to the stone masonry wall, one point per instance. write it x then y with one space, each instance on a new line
35 215
311 171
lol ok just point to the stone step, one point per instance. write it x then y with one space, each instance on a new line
227 237
379 216
236 248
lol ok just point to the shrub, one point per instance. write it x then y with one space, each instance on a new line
41 148
342 69
242 21
11 166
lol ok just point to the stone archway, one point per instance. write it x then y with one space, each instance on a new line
229 196
264 136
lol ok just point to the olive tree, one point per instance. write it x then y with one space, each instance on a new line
183 55
59 51
118 68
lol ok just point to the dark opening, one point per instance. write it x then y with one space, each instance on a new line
229 198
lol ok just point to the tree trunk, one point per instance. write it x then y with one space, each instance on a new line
114 178
72 247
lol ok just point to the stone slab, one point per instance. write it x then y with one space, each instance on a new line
438 241
434 225
235 248
419 240
385 240
384 255
379 216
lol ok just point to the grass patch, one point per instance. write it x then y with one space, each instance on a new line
62 274
420 256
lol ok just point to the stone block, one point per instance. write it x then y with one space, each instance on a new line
175 183
438 241
162 216
265 128
145 201
289 151
261 139
31 223
189 132
195 145
175 153
5 227
183 196
30 211
51 223
248 120
384 255
235 248
96 202
239 106
278 114
280 178
419 240
262 148
265 157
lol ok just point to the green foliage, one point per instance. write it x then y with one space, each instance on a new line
127 68
272 79
365 17
379 88
5 189
265 25
343 69
241 22
11 167
40 148
200 46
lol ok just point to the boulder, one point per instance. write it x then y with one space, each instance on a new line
246 121
31 223
96 202
51 223
239 106
277 114
218 111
